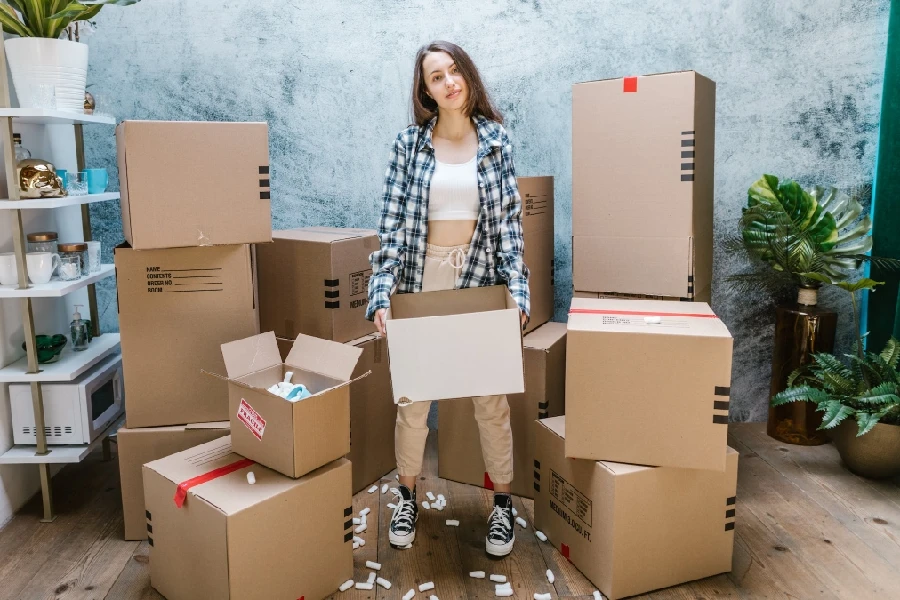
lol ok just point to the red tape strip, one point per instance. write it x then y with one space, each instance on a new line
564 550
184 486
488 484
638 313
629 85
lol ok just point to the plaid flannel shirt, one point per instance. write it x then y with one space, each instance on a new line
495 255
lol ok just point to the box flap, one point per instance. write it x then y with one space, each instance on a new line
323 357
653 317
250 355
556 424
321 234
364 339
212 425
544 336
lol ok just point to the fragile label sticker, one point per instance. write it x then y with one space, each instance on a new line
251 419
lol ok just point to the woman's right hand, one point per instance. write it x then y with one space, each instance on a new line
379 321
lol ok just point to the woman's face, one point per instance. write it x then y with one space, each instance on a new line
443 81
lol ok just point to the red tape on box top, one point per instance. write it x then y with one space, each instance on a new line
184 486
635 313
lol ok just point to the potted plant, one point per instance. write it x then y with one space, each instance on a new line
799 240
39 57
865 387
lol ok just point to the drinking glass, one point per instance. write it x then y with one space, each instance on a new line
69 268
78 185
93 257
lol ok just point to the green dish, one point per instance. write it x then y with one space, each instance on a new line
48 347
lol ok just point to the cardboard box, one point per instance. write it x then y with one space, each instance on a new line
176 308
278 538
632 529
293 438
455 344
642 185
647 383
618 296
315 281
373 413
137 447
459 443
537 228
194 184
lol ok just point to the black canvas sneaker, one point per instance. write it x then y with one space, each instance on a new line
501 537
403 521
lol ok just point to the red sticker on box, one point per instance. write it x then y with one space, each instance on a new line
251 419
564 550
629 85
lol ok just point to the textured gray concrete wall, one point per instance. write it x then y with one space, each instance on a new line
799 87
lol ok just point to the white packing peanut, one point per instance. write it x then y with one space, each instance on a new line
346 585
542 596
442 498
515 512
364 585
426 505
522 522
365 511
455 523
428 585
357 539
384 488
373 489
391 505
540 535
477 574
409 595
438 506
360 529
355 545
433 598
373 565
383 583
251 478
498 578
503 592
430 496
372 576
550 576
598 595
362 520
357 521
503 586
361 542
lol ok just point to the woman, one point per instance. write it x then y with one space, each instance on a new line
451 218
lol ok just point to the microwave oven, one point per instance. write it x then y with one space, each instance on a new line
75 412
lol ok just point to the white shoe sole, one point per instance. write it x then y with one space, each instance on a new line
498 549
402 541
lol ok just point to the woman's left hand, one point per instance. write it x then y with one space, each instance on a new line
524 318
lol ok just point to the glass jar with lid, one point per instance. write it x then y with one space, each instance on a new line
42 241
78 249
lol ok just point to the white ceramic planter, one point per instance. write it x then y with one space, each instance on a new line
61 63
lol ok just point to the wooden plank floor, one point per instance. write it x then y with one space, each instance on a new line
806 528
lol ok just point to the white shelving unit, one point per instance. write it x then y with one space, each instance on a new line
71 364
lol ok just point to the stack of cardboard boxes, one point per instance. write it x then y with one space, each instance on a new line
648 501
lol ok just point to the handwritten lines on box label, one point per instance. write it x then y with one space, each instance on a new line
160 280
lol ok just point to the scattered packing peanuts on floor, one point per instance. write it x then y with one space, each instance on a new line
346 585
364 512
383 583
409 595
433 598
542 596
357 521
522 522
476 574
503 587
426 505
598 595
455 523
503 593
430 496
251 478
372 577
360 529
384 488
363 585
550 576
515 512
355 545
442 498
359 540
498 578
362 520
373 489
540 535
391 505
373 565
429 585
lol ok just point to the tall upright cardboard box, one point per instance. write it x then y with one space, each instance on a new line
459 442
633 529
216 536
315 281
647 383
537 228
176 308
137 447
642 185
188 184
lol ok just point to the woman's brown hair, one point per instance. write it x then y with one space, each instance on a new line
424 108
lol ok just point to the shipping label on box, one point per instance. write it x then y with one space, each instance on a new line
537 228
214 535
673 360
633 529
459 445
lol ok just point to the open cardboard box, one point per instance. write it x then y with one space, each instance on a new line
293 438
455 343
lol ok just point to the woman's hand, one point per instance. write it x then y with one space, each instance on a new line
379 321
524 318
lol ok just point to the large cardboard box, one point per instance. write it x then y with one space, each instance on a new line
642 185
176 308
214 535
194 184
537 228
137 447
315 281
618 296
290 437
373 413
647 383
455 344
633 529
459 442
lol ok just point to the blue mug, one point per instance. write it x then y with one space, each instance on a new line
97 180
64 175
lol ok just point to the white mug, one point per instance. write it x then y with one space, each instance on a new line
41 266
9 273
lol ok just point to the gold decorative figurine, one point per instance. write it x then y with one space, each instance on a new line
38 179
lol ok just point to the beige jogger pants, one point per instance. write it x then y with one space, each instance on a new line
442 267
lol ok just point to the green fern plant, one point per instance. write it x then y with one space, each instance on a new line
48 18
866 386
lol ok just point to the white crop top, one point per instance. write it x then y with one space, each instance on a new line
453 195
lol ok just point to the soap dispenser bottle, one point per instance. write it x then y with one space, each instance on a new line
79 331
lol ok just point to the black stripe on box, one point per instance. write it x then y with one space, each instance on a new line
687 177
263 183
543 415
348 511
335 304
537 476
722 391
720 419
264 169
690 278
687 143
348 524
265 196
544 405
150 541
149 528
731 501
332 282
537 487
720 405
729 526
147 512
348 536
687 154
537 464
687 133
729 513
332 293
687 166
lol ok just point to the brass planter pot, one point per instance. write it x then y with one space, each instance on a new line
875 455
